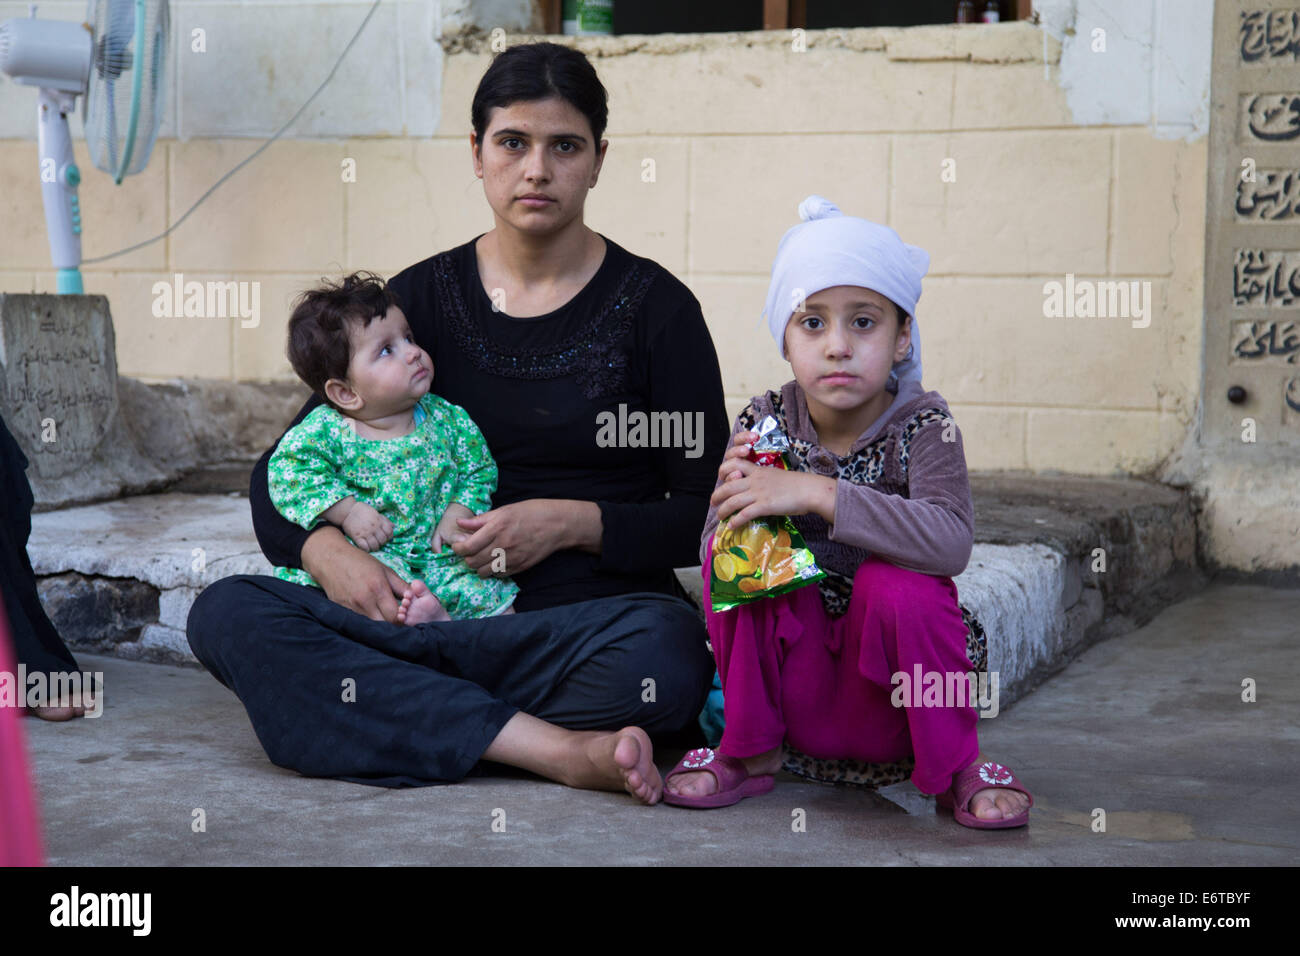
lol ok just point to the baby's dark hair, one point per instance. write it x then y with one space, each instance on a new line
319 347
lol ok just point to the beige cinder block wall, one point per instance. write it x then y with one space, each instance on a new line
959 138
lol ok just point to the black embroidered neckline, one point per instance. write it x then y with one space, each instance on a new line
591 353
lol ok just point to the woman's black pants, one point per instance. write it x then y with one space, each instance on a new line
331 693
36 643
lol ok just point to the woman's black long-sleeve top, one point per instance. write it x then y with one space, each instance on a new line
566 402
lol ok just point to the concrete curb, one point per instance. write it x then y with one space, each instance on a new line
1059 564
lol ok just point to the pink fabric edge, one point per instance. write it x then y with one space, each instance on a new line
20 829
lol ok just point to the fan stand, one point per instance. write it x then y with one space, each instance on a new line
59 180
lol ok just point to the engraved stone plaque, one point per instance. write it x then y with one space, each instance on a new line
58 397
1252 242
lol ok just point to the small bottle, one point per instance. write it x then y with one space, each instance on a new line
992 12
587 17
966 11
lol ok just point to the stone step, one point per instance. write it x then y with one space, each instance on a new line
161 550
1058 564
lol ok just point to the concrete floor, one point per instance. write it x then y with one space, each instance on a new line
1149 727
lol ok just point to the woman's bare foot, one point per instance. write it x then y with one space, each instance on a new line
66 709
621 760
58 713
586 759
701 783
419 606
996 803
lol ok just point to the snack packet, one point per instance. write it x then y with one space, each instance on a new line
768 555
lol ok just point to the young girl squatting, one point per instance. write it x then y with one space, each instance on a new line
879 489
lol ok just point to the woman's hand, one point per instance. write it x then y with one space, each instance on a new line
517 536
351 577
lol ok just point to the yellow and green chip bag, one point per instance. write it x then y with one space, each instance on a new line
767 556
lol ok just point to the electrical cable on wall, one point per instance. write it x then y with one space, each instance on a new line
278 133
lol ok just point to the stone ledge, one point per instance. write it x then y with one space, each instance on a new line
1013 42
1030 579
119 577
183 432
192 423
168 541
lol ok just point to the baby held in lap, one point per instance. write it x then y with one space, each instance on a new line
391 464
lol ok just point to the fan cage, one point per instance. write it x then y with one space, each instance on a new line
129 54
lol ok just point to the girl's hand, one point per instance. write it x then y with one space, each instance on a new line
740 446
753 491
525 533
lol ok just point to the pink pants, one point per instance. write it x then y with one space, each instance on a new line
791 674
20 831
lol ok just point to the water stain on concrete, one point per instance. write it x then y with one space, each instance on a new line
1223 703
150 755
1152 826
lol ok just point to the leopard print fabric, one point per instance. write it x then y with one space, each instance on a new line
866 467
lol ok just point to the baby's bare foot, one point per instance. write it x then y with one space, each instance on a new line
419 606
58 713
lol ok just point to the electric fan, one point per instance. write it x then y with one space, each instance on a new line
116 61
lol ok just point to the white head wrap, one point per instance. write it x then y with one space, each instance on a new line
828 249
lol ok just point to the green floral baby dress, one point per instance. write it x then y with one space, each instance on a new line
410 480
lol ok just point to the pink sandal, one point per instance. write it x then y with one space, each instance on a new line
978 777
734 782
